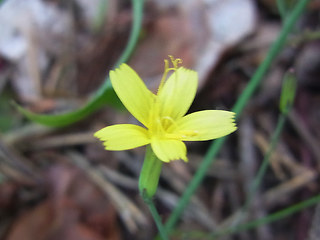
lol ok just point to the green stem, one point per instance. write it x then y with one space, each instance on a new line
193 185
257 222
156 218
279 215
282 8
265 162
148 184
238 107
105 93
272 54
272 217
262 170
150 174
137 8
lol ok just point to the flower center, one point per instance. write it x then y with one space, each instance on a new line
163 126
160 126
160 129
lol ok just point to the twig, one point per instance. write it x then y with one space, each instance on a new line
272 217
61 141
15 166
305 135
127 209
285 189
29 130
248 167
274 195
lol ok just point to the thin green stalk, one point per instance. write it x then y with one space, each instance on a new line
262 170
105 93
289 88
265 162
280 214
272 217
193 185
137 8
100 17
272 54
156 218
257 222
148 184
282 8
306 36
238 107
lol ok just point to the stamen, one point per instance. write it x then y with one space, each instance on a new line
175 63
164 76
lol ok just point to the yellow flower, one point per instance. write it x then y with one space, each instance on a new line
163 114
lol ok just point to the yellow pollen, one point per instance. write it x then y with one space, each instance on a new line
175 62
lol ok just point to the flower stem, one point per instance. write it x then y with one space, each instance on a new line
156 218
148 184
150 174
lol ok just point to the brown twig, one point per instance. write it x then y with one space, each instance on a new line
129 213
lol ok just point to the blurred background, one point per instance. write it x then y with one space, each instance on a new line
60 183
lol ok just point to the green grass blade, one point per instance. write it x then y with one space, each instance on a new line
286 100
100 17
278 215
286 212
282 8
157 219
155 215
261 172
105 94
238 108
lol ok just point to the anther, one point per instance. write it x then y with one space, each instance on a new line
175 63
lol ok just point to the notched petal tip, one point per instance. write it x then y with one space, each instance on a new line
185 159
169 150
206 125
233 122
99 134
177 158
178 93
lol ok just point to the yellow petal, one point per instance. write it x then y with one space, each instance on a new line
123 136
132 92
204 125
178 92
169 150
